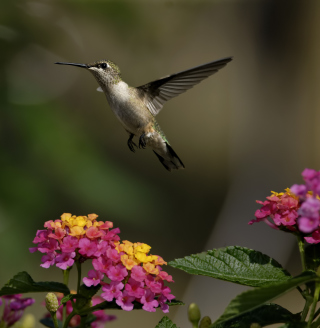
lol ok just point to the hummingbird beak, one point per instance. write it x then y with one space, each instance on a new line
73 64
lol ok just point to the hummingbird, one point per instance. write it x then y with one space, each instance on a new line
137 107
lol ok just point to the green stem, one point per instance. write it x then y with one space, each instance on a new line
314 304
54 319
66 282
302 253
70 316
305 311
78 264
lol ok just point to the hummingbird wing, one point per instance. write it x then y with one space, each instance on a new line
156 93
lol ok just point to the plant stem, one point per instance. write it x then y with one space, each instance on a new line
314 304
78 264
66 282
70 316
54 319
306 308
302 253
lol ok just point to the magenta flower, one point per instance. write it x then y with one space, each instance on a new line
101 316
134 288
117 273
314 239
14 307
148 301
112 290
94 278
125 301
65 260
138 274
69 244
87 247
155 286
113 255
101 264
48 260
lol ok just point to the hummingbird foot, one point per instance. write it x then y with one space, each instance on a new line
142 142
131 144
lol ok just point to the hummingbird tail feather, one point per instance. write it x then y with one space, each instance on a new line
171 161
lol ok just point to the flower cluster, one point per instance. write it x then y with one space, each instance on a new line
101 316
296 209
134 275
14 306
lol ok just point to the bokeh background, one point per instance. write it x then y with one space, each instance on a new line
249 129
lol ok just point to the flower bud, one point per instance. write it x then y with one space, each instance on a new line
52 303
205 322
194 314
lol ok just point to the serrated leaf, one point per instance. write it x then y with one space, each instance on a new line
165 322
252 299
235 264
264 315
23 283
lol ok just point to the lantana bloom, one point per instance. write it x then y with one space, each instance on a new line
133 275
296 209
14 306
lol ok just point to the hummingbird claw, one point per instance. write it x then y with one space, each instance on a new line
131 144
142 142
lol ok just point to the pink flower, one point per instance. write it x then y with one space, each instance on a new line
138 273
101 264
48 260
65 260
315 239
125 301
87 247
134 288
155 286
14 307
113 255
69 244
148 301
112 290
117 273
94 278
93 233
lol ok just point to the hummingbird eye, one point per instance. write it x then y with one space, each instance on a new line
104 65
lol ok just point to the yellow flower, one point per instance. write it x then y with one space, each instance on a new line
80 221
150 268
77 231
143 248
128 261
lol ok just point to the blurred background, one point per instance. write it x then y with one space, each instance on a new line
249 129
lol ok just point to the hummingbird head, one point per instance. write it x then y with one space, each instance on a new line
105 71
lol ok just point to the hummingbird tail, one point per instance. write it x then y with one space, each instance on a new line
171 161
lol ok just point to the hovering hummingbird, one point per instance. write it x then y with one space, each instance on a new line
136 108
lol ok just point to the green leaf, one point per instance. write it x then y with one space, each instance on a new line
113 305
165 322
235 264
252 299
89 292
264 315
23 283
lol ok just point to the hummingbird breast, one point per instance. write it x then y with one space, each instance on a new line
129 108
